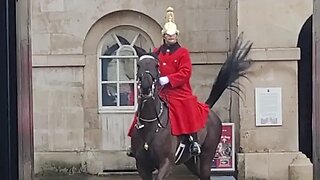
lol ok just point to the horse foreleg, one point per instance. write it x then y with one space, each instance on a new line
193 166
144 171
164 169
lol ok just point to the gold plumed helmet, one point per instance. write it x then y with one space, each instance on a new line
170 27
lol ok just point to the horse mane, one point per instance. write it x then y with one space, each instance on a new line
234 67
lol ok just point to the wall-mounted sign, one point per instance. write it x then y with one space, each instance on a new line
224 159
268 106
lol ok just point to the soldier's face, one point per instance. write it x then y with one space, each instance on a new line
170 39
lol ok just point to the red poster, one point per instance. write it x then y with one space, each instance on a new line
224 158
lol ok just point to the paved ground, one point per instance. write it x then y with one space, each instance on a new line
179 173
123 177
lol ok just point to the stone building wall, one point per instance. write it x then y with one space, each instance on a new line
274 27
71 134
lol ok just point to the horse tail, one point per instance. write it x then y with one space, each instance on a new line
234 67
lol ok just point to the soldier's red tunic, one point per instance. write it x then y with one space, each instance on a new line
186 114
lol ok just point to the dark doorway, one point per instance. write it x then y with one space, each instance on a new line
305 88
16 132
8 95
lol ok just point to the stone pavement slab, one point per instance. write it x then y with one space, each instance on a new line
124 177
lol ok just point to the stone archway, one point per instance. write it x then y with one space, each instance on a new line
96 33
111 155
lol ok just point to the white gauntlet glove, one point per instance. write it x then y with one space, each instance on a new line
163 80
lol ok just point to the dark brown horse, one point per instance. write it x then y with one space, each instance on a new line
153 145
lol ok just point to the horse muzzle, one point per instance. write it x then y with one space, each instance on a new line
146 85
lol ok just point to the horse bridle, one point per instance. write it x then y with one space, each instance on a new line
145 97
153 86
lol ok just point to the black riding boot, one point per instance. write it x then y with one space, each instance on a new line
194 148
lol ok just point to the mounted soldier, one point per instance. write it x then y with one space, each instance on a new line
186 115
170 122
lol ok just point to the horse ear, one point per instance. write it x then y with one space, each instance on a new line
140 51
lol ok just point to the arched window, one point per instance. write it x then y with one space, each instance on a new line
120 49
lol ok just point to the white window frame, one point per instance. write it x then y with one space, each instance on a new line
117 57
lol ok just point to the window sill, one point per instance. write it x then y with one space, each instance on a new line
116 111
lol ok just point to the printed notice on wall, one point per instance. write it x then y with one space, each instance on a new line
268 106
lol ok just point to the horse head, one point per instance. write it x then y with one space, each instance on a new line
147 75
